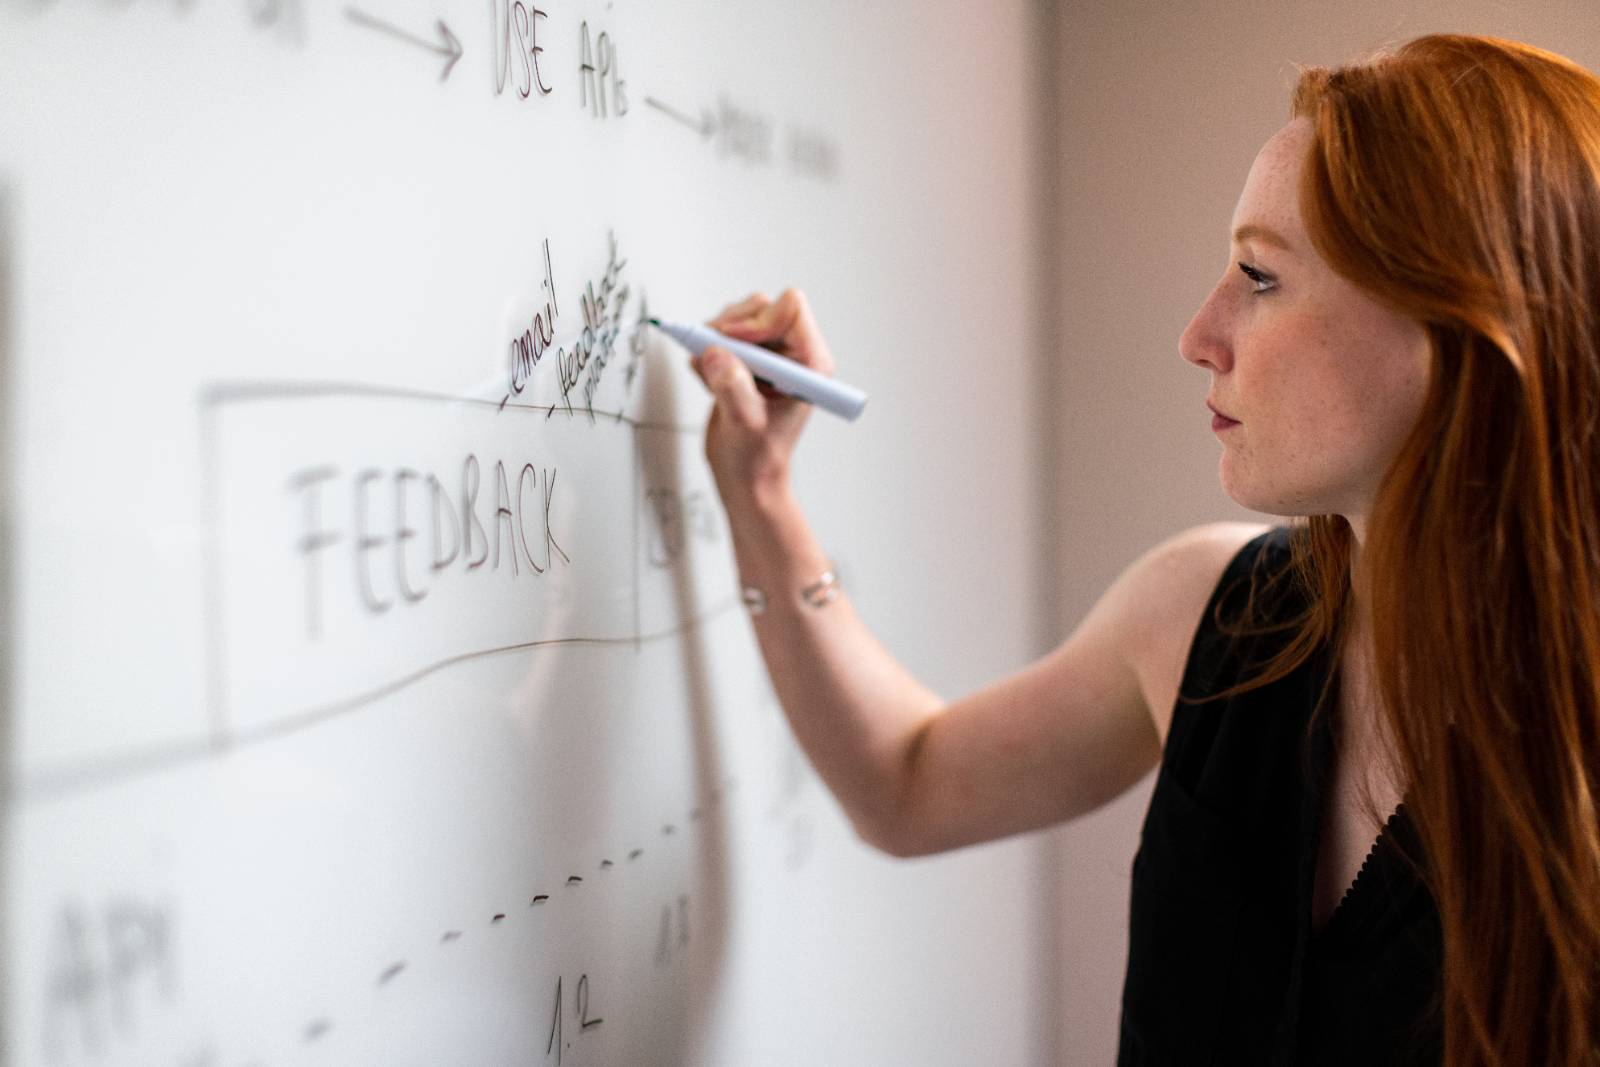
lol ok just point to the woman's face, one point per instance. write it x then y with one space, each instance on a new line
1324 381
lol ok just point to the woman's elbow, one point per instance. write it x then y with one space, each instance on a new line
894 837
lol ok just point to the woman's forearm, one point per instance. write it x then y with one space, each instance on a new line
855 711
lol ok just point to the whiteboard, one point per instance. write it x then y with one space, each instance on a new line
376 685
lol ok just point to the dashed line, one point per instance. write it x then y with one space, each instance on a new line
316 1029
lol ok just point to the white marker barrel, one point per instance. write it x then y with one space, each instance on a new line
786 375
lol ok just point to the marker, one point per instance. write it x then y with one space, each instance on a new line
785 375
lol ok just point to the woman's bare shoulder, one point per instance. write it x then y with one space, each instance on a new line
1170 586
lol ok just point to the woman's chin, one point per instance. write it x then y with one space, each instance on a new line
1251 495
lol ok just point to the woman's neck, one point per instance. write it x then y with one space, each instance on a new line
1356 606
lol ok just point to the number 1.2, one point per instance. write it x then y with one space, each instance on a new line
557 1044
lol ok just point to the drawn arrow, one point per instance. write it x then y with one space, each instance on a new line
447 46
705 126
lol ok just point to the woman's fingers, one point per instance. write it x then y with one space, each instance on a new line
752 429
785 324
742 309
788 323
731 382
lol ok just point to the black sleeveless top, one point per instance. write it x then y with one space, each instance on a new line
1223 965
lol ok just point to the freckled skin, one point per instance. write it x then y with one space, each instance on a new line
1325 381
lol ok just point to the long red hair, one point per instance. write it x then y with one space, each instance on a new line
1457 180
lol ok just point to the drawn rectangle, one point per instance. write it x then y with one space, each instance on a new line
363 538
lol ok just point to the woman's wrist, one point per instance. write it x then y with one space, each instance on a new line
774 544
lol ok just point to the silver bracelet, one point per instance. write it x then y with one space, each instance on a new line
817 594
823 591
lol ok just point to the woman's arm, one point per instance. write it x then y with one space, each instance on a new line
915 775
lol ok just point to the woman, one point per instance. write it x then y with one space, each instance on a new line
1373 836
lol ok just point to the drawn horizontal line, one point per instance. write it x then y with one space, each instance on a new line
135 763
217 394
63 781
314 716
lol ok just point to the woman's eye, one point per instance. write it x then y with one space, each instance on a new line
1261 282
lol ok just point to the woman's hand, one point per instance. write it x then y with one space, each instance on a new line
752 431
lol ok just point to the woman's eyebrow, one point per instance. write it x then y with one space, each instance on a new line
1251 230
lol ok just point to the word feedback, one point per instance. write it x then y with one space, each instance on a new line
389 563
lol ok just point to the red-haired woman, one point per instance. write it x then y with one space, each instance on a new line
1374 835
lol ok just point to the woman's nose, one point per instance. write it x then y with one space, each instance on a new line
1203 341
